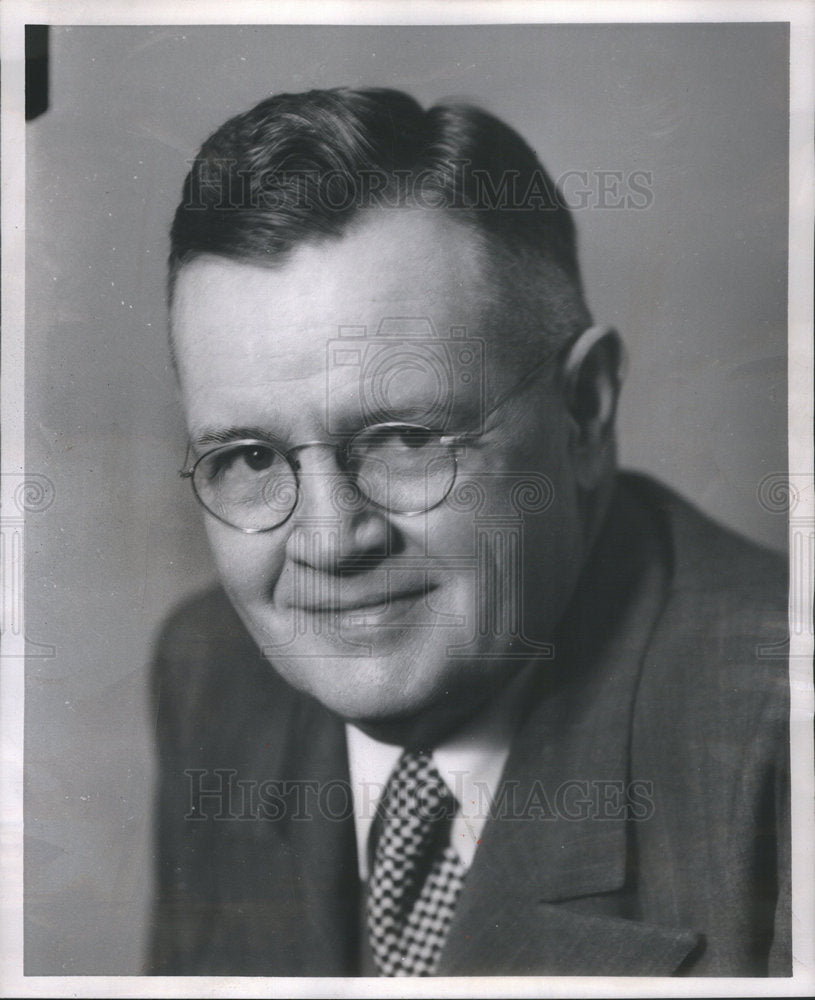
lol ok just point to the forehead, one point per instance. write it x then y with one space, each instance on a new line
339 328
417 267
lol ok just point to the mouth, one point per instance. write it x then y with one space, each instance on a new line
364 605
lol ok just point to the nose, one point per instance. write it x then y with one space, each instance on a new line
334 527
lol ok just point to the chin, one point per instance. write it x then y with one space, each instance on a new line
391 697
354 686
386 680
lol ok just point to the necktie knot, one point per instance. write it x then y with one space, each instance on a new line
416 875
416 793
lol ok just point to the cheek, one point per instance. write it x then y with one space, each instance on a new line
249 565
441 540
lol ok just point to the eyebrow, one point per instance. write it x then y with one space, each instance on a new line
227 434
207 437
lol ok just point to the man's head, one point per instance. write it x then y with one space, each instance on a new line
343 259
302 168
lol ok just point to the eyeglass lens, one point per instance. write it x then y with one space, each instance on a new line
253 486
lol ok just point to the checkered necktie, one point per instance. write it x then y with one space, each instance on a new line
416 876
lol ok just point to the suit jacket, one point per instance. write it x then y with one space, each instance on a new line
642 827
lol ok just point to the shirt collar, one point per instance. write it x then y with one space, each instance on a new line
470 762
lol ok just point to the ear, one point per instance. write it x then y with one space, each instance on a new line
592 377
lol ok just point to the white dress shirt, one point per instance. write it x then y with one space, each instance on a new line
470 762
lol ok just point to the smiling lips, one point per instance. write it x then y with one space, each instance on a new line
364 603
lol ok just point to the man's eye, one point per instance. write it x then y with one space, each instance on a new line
238 462
257 457
414 437
392 439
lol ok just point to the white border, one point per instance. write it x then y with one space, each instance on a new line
12 382
393 12
801 15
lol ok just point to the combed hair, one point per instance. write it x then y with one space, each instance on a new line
300 168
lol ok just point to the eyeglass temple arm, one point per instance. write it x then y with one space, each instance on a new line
574 350
185 472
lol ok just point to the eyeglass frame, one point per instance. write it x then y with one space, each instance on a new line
588 338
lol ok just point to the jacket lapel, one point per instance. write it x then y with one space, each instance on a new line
299 859
550 891
319 845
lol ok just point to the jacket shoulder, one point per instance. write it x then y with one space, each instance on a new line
706 557
718 650
208 672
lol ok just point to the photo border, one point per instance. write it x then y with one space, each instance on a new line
14 14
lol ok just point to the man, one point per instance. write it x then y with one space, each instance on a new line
470 702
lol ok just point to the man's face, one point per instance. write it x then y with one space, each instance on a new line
403 623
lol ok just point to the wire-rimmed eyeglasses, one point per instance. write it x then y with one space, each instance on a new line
253 485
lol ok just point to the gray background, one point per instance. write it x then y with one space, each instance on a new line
696 284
